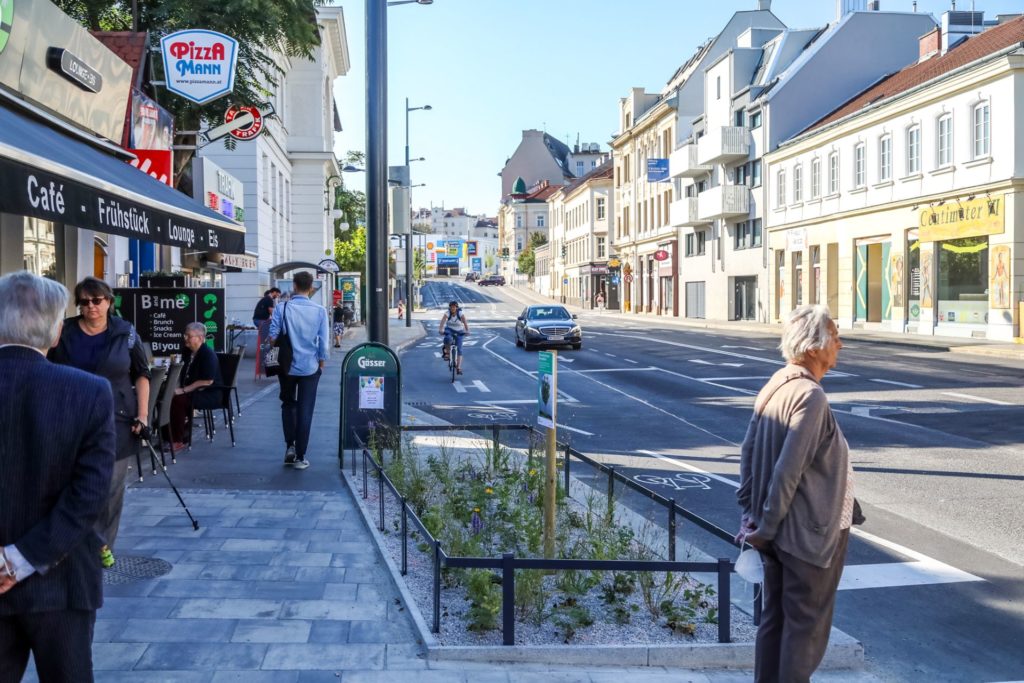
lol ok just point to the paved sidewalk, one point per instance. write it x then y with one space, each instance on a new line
1008 350
282 582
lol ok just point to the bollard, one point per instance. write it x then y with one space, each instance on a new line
611 491
724 600
405 538
508 599
380 492
437 586
672 530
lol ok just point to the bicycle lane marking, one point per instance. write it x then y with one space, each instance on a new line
923 570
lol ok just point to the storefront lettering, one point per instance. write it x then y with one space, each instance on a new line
200 52
149 301
113 215
46 197
191 68
959 219
180 233
212 239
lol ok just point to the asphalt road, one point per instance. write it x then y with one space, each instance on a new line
934 584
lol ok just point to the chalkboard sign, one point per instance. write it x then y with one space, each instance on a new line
160 315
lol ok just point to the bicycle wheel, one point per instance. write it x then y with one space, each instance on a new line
453 362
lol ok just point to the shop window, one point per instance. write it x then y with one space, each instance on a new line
963 280
40 248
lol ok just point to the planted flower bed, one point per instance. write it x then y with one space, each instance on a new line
479 500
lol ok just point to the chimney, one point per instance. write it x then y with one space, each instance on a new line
929 44
874 5
959 25
764 5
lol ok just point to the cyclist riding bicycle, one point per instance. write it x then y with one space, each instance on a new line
454 327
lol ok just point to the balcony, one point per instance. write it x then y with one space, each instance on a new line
724 201
684 212
683 162
722 144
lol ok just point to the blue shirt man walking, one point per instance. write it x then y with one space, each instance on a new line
305 323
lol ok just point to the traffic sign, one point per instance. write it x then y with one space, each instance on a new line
629 277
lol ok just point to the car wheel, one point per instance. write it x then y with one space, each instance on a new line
528 346
518 341
577 347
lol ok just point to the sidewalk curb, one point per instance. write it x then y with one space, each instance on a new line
844 652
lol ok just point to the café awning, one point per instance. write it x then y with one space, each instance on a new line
47 174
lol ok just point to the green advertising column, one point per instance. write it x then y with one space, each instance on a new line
371 393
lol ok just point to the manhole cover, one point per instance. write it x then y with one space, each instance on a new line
128 568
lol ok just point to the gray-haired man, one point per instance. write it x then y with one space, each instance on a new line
56 458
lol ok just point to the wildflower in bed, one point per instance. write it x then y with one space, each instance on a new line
477 522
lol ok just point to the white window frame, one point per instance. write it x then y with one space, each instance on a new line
780 189
860 156
600 208
944 141
833 173
540 220
798 183
815 178
885 158
981 131
913 160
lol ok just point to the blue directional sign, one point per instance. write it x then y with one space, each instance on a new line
657 171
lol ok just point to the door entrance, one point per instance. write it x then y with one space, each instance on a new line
745 298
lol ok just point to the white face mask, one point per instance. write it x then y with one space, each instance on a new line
750 566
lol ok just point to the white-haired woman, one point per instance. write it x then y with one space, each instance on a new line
201 370
796 494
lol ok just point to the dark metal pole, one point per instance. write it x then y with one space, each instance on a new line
408 235
508 599
724 601
437 587
672 530
377 169
405 537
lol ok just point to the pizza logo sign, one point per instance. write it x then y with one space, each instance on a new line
199 65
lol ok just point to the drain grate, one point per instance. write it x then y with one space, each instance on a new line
129 568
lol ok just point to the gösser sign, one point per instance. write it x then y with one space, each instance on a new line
199 65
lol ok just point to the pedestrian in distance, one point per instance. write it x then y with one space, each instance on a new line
401 308
796 494
338 317
600 301
201 370
102 344
305 325
265 307
57 448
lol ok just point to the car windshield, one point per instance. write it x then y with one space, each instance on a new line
549 313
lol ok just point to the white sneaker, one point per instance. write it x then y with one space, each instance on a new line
301 464
289 456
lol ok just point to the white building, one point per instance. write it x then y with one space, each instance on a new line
769 85
903 210
523 212
286 170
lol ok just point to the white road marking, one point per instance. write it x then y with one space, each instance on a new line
895 383
583 372
458 387
735 379
562 359
976 398
520 369
630 360
437 354
748 348
610 355
260 394
924 570
573 429
700 362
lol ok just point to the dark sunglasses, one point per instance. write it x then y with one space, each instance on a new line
95 301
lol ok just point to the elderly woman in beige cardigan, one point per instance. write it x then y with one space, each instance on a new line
796 493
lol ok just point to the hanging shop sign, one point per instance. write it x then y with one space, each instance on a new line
242 123
152 125
796 239
330 265
244 261
657 171
661 255
956 219
220 190
614 263
74 69
156 163
199 64
471 248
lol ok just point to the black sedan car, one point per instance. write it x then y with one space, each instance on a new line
497 280
539 326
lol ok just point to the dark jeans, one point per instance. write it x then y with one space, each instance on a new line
298 399
797 616
60 641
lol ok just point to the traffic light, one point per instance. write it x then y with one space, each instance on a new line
504 252
564 250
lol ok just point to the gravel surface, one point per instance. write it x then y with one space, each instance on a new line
640 630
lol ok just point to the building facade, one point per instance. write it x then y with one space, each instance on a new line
522 214
909 210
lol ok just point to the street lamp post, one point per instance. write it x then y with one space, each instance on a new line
408 237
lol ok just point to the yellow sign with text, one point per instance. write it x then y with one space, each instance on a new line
973 218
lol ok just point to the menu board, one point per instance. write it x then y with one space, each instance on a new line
160 315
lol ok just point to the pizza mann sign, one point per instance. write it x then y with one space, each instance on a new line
199 65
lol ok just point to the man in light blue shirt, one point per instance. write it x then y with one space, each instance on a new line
305 323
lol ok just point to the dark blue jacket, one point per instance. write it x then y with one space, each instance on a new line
56 458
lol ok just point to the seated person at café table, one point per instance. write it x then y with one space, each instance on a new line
201 370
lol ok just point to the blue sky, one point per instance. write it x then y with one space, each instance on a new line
492 68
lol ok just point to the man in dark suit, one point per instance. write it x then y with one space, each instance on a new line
56 458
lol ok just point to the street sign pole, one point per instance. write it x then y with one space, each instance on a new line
547 401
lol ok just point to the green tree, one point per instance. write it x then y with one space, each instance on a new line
527 259
351 202
350 251
285 26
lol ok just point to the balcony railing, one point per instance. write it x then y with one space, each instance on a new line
684 212
724 201
723 143
683 162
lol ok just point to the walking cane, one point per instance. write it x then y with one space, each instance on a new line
146 434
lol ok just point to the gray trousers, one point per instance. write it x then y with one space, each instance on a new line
797 617
110 516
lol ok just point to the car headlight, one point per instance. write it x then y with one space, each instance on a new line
576 330
532 330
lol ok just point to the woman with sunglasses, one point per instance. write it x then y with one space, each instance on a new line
99 343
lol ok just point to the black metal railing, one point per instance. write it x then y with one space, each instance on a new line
508 563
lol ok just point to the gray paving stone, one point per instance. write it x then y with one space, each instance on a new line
365 575
227 609
223 557
106 630
150 677
238 532
263 631
116 656
332 609
389 676
140 608
177 630
249 572
135 589
340 591
324 535
293 559
265 545
330 631
317 656
183 570
320 676
255 677
356 560
202 656
343 547
391 632
173 543
321 574
273 590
